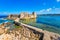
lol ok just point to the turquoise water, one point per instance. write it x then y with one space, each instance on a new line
49 20
4 20
50 23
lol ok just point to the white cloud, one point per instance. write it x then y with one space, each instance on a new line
46 10
42 10
58 0
49 9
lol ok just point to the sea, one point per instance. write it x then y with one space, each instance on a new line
4 20
49 20
50 23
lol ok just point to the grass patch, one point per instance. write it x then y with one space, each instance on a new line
17 26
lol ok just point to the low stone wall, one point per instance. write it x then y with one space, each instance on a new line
26 32
39 34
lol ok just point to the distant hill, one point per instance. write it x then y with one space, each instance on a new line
49 14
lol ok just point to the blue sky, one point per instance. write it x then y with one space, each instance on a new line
39 6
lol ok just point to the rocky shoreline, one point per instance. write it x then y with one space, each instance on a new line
26 33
